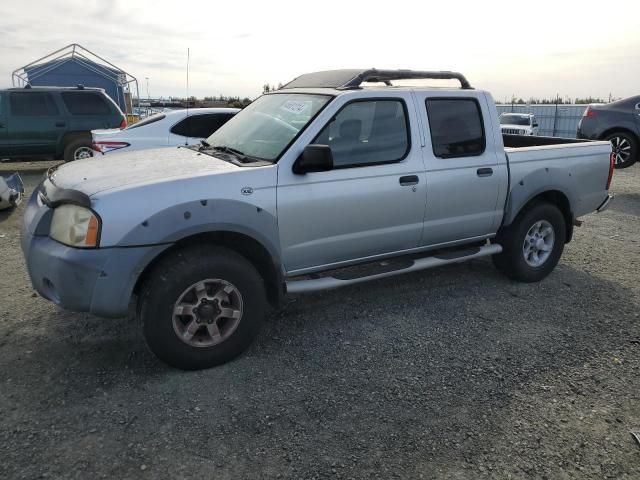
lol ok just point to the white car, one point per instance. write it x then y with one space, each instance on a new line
519 124
165 129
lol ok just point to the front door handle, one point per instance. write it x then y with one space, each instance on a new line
484 172
408 180
61 124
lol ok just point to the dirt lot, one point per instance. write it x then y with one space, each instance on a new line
449 373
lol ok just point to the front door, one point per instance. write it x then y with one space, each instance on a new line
464 175
372 202
36 124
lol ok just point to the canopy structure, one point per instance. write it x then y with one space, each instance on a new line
73 65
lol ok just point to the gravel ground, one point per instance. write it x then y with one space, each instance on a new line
449 373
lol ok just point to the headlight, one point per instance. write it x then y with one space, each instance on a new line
75 226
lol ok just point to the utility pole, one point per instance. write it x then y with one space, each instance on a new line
148 96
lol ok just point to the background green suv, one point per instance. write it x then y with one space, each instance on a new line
54 122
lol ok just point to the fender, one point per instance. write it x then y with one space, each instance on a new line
524 189
205 216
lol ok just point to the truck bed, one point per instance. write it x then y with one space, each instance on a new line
578 168
520 141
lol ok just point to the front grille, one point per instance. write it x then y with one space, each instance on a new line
511 131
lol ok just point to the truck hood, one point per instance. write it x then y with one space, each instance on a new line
103 173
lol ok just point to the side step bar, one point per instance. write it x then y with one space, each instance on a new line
329 282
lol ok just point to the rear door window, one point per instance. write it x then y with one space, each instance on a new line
85 103
32 104
200 126
456 127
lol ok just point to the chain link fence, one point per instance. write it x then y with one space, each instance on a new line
556 120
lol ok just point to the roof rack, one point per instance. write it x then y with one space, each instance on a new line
350 79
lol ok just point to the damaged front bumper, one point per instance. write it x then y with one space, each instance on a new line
11 191
99 281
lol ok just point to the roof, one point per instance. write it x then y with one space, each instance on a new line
51 89
353 78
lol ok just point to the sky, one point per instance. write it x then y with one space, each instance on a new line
530 48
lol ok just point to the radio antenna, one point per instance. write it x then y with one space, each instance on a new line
186 139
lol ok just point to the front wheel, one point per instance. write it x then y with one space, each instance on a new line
202 306
625 149
532 244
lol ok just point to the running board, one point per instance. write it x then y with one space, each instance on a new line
410 265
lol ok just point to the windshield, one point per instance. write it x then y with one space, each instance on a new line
514 119
267 126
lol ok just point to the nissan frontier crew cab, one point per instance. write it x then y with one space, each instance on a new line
337 178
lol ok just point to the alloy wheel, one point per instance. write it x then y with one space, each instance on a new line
538 243
82 153
207 313
621 149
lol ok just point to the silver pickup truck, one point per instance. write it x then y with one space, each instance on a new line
337 178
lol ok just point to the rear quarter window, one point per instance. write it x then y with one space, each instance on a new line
200 125
152 119
85 103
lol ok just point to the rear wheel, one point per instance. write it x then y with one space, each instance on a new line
532 244
202 306
625 148
78 150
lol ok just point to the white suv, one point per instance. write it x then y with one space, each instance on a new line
519 124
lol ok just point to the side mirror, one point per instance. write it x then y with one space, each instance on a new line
314 158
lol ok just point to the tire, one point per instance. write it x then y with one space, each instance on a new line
512 261
78 150
625 146
185 341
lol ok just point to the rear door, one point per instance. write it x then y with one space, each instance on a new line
197 127
36 124
464 175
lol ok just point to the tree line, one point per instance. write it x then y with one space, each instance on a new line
557 100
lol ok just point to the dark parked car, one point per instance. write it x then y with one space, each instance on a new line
53 121
618 122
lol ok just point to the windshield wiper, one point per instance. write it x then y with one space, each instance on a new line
203 144
236 153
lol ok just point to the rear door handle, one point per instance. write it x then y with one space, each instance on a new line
484 172
61 124
409 180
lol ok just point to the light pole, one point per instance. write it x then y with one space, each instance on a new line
148 96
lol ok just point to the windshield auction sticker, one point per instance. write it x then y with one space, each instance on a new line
293 106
